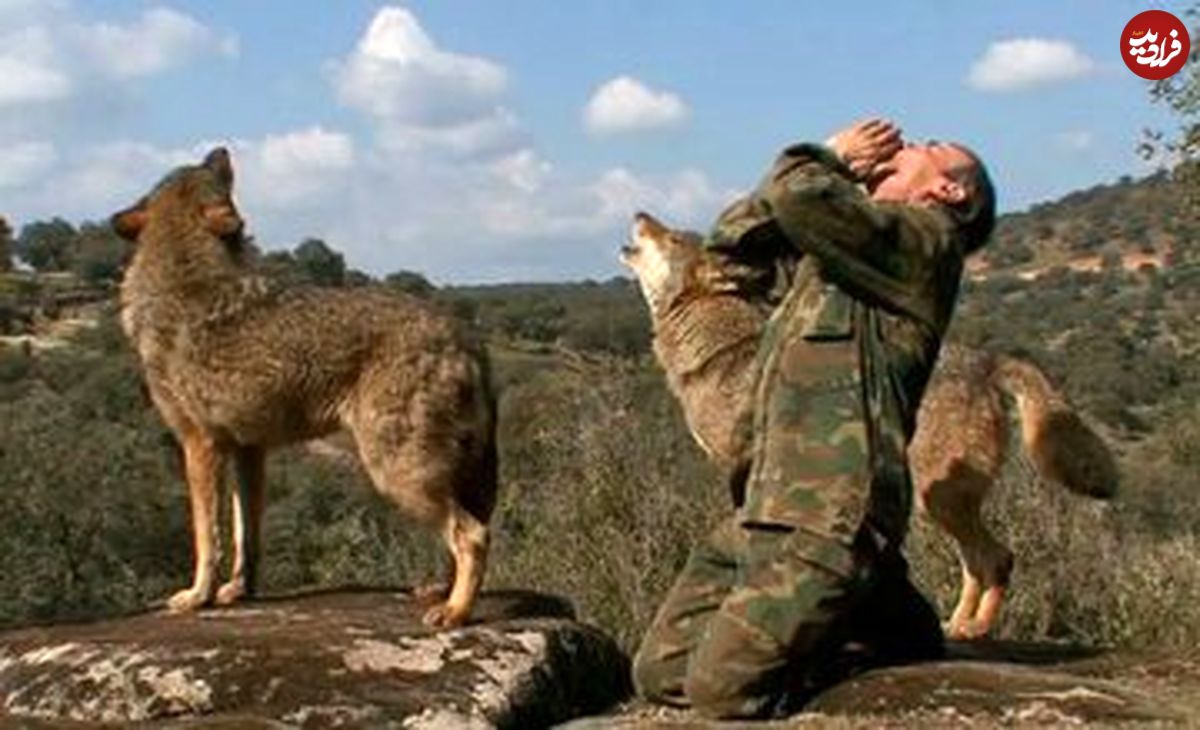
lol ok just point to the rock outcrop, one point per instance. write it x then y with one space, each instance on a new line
363 659
345 659
983 685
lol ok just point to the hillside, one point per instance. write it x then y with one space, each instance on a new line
1135 220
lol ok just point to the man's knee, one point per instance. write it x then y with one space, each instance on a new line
737 671
655 679
726 692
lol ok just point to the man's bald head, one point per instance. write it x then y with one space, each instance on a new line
944 173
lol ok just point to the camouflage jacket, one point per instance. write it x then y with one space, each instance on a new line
875 282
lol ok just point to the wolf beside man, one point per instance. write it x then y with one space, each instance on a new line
810 559
708 314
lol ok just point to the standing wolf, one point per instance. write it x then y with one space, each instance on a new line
707 318
237 367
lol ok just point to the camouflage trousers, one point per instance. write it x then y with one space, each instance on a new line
756 623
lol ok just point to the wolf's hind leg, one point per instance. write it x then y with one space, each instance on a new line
954 502
204 463
420 478
995 566
987 565
467 538
968 603
248 498
436 590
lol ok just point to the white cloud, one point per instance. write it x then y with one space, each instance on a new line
89 185
398 73
22 82
52 56
1023 63
160 39
289 169
29 68
445 181
684 198
21 164
1075 139
495 133
523 170
111 176
625 104
15 13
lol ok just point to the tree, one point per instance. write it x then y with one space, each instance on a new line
410 282
321 264
47 245
6 245
100 254
1181 93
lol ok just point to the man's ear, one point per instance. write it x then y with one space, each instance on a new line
951 192
129 223
218 161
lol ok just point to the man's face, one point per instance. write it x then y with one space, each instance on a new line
923 173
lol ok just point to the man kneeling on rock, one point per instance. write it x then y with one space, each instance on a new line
808 570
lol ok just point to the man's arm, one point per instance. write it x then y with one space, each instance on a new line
884 253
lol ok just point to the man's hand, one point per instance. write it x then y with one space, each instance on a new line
866 145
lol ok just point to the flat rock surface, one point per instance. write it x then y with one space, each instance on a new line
337 659
983 685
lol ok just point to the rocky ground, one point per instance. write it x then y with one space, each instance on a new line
347 659
982 685
363 659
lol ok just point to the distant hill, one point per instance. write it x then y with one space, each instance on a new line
1134 219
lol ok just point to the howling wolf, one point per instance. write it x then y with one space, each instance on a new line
706 330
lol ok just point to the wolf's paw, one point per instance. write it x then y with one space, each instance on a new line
188 599
966 630
431 593
231 592
444 616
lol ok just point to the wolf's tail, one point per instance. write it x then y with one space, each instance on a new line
1061 446
490 463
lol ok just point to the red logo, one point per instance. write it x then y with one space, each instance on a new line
1155 44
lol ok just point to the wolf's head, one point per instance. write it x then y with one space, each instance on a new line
192 195
666 262
672 266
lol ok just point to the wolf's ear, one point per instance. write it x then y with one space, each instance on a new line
129 223
218 161
649 224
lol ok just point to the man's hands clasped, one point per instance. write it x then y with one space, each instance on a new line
867 146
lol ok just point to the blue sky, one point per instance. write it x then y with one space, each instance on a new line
490 141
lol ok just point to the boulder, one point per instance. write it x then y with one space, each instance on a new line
982 685
347 658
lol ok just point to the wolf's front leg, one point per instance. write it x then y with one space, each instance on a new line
250 465
204 463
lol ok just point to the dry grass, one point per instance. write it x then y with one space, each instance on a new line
604 494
